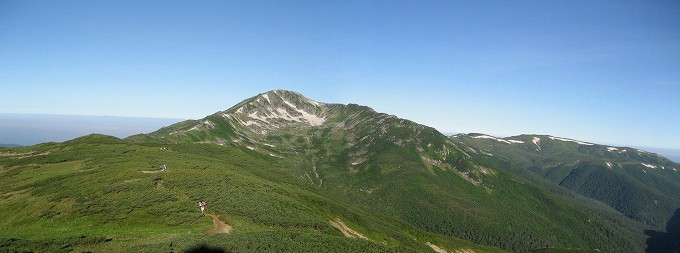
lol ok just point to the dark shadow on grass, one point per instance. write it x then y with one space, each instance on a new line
668 242
206 249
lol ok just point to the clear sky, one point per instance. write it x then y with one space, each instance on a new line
599 71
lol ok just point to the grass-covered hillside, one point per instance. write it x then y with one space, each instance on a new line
102 194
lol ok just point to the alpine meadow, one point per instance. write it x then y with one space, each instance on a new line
280 172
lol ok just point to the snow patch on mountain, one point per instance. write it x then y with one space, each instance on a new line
609 164
486 153
484 137
515 141
570 140
281 113
312 119
496 139
537 141
612 149
649 166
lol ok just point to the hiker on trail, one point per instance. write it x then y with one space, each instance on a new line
201 204
163 167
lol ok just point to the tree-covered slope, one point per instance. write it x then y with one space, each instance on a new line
639 184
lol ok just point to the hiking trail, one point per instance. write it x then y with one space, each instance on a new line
348 232
220 227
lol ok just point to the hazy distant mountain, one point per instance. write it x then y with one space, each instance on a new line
671 154
9 145
30 129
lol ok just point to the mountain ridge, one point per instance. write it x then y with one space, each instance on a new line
644 178
280 160
347 146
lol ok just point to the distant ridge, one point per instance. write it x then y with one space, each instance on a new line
31 129
671 154
640 184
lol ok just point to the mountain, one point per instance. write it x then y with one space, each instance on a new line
283 172
639 184
401 169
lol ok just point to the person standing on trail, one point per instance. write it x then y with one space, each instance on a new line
201 204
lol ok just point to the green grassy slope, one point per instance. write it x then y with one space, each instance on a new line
91 194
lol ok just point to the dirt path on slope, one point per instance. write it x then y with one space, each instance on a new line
220 227
151 171
23 155
441 250
347 231
436 248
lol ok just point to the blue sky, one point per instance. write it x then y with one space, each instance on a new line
600 71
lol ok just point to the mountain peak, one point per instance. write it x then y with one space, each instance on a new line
276 107
289 96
